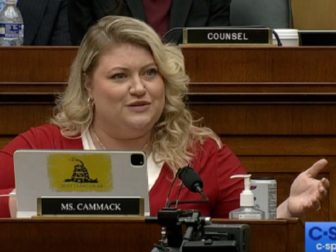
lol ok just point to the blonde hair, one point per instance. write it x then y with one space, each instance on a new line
175 134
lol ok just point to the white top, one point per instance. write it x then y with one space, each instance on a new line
153 169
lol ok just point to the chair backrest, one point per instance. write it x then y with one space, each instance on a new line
269 13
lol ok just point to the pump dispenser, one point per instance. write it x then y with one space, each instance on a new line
247 211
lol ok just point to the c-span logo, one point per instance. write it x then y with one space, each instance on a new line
320 236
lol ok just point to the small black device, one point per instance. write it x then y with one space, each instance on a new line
186 230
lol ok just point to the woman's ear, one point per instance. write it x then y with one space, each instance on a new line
89 91
87 85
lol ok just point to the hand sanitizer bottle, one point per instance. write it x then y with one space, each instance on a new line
247 211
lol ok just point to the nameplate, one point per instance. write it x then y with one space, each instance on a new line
47 206
227 35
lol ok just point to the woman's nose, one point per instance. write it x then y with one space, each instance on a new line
138 87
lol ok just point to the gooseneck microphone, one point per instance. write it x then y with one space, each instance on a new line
192 181
168 203
169 217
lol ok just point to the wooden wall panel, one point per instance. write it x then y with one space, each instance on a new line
268 119
111 234
260 64
282 145
275 107
20 117
312 14
36 64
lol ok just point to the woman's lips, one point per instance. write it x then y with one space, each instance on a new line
139 106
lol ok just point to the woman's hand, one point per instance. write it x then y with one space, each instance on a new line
306 192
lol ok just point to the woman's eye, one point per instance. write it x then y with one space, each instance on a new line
118 76
151 73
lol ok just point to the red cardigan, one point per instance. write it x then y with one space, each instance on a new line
214 165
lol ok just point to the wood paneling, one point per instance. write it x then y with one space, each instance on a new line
269 119
312 14
36 64
258 65
261 64
104 234
275 107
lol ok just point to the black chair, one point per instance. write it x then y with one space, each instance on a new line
268 13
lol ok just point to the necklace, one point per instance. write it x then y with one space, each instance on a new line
145 148
101 145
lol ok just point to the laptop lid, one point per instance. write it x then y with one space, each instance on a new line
78 173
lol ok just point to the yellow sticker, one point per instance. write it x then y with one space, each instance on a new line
80 173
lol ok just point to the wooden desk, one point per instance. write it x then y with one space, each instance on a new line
87 235
275 107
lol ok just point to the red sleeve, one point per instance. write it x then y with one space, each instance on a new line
43 137
230 189
7 183
215 166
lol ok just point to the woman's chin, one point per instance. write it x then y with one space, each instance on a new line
141 123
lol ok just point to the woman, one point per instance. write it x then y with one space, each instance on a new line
126 91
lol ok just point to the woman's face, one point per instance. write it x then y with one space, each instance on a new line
128 91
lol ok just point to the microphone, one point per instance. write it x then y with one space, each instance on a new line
193 182
171 187
191 179
170 218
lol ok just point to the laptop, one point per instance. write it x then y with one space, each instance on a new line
78 173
